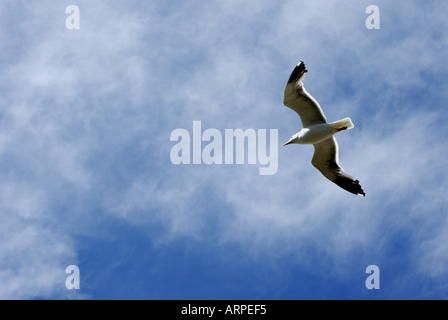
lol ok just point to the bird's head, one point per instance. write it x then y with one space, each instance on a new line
294 139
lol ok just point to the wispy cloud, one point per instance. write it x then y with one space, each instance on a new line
86 117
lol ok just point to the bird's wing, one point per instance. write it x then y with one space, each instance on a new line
326 160
299 100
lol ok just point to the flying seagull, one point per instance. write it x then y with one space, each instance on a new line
318 132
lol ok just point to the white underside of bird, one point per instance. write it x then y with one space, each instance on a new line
318 132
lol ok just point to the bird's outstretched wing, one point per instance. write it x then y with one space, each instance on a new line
299 100
326 160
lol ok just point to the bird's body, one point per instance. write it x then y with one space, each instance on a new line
318 132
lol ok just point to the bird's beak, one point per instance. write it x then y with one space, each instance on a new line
287 142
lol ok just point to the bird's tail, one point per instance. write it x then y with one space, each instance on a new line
343 124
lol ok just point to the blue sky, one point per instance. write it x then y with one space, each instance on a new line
85 123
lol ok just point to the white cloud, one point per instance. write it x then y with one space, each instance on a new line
33 250
88 114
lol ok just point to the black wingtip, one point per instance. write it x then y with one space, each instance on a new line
297 72
360 191
351 185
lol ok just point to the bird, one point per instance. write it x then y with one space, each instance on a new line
318 132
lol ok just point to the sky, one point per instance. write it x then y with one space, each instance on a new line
86 176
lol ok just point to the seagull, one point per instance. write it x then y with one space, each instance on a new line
318 132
